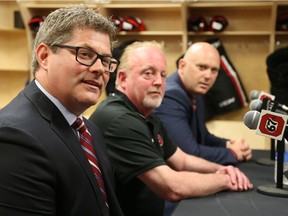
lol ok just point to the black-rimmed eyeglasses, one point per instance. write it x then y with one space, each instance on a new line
88 57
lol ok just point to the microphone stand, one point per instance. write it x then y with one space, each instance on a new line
267 161
272 150
277 190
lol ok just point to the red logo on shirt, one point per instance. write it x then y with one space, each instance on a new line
160 140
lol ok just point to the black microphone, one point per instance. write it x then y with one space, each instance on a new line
283 107
271 105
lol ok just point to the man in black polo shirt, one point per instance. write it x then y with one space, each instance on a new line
149 167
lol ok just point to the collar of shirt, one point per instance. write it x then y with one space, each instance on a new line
70 117
121 95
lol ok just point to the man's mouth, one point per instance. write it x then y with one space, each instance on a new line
205 85
93 83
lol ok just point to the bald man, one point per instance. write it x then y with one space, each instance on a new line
182 109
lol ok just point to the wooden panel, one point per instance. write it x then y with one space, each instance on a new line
14 51
7 9
10 85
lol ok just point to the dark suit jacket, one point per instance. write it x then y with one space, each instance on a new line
187 128
43 170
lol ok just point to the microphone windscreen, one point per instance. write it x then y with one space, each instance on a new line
254 94
255 104
251 119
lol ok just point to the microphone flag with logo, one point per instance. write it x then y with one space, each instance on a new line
271 125
263 95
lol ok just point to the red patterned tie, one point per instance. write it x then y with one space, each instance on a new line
194 104
87 145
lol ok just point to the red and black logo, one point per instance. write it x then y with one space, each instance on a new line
271 125
160 140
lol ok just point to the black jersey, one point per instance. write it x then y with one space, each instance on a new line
135 145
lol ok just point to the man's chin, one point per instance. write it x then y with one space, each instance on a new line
92 99
153 103
203 91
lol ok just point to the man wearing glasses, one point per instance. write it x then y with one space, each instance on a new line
87 57
50 164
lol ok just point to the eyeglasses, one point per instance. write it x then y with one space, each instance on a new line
88 57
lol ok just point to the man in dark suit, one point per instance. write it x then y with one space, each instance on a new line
182 109
44 170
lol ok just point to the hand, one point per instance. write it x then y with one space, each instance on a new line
241 148
238 180
246 151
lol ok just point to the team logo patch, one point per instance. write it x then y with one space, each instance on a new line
160 140
271 124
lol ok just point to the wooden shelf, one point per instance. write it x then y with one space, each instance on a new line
12 30
249 35
151 33
281 33
12 70
233 33
149 6
231 4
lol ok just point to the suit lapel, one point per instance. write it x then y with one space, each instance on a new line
65 132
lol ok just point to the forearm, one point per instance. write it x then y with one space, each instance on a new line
184 184
192 163
197 164
191 184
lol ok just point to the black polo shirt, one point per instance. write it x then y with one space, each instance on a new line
135 144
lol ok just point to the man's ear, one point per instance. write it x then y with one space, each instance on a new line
181 65
122 79
42 55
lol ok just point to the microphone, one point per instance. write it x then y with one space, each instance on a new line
251 119
267 104
255 104
266 123
254 94
272 125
